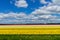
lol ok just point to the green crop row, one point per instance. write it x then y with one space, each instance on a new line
29 37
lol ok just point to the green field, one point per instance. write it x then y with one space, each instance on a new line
29 37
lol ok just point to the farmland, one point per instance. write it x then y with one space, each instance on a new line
30 32
29 37
30 29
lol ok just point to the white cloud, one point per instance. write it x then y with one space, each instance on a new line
45 12
41 11
47 16
57 2
21 3
11 17
22 18
43 2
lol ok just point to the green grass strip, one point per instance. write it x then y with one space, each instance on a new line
29 37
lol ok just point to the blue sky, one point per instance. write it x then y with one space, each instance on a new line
8 5
29 11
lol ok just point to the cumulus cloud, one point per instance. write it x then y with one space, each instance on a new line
21 3
48 10
56 2
47 16
22 18
11 17
47 13
43 2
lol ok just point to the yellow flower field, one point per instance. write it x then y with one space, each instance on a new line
30 29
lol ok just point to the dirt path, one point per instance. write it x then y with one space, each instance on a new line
29 26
